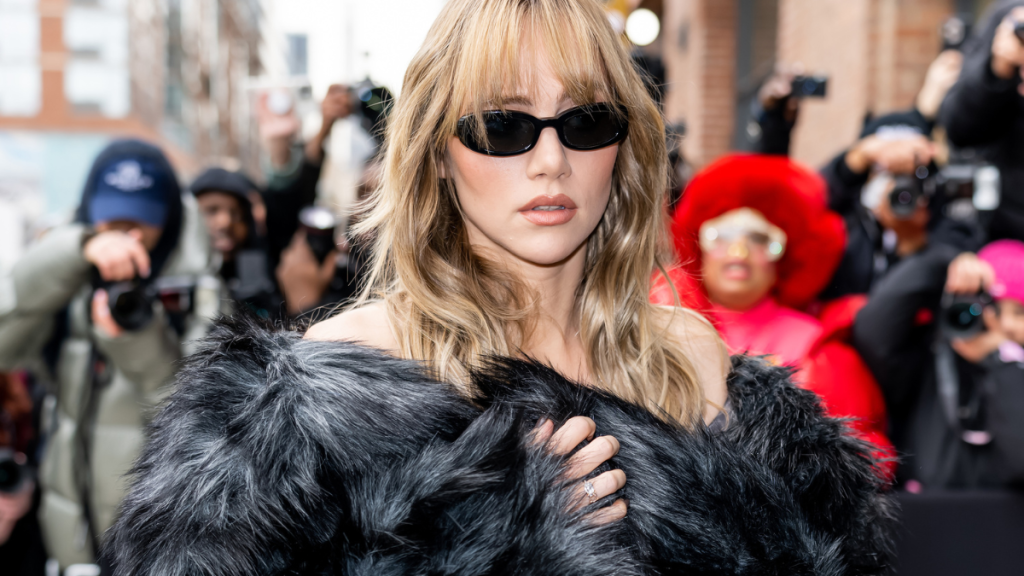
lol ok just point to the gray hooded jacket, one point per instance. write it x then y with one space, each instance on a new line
104 389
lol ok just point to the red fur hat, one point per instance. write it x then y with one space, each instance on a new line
790 196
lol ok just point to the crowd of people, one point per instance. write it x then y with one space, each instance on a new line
889 280
102 310
931 261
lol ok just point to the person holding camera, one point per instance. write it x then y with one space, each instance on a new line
942 333
985 109
774 112
895 200
294 170
225 202
113 299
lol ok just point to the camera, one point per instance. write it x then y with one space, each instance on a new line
13 472
319 225
960 315
810 86
131 303
971 183
374 105
954 32
908 189
964 188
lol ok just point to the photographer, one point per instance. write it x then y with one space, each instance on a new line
309 269
331 274
294 170
894 200
224 202
950 365
774 113
113 298
986 109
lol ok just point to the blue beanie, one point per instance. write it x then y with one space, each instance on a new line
134 189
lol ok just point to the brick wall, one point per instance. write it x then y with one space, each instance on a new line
876 53
700 59
829 37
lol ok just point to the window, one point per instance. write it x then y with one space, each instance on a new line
96 80
297 55
20 76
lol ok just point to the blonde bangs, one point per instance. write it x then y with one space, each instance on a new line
499 56
447 305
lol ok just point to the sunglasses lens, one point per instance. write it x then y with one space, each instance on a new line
593 128
506 134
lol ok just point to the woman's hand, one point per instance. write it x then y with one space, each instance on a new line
598 451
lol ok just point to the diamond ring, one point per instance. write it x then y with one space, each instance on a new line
588 487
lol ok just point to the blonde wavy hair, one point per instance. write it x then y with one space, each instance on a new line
448 305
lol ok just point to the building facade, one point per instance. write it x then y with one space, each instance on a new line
875 53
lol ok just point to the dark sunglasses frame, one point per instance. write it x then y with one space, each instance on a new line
617 113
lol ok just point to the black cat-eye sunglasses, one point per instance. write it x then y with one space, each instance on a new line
582 128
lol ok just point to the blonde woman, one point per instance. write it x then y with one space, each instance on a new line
503 387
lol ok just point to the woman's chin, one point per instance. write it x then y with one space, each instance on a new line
550 254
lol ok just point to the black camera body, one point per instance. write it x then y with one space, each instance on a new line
810 86
960 316
374 103
13 472
954 32
962 185
319 225
908 189
131 303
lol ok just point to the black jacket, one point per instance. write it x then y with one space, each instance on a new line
900 348
982 110
283 456
284 202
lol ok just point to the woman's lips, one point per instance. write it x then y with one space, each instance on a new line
549 210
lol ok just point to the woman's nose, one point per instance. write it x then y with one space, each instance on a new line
548 159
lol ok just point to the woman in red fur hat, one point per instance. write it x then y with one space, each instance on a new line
757 244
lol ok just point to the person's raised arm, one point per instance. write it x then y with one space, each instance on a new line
977 106
337 104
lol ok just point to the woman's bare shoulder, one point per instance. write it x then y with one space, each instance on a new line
702 344
368 325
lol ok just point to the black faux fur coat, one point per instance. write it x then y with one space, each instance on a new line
280 456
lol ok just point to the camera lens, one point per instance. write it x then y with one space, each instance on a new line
129 305
960 315
962 319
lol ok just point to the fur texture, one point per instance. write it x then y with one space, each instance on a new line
277 455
